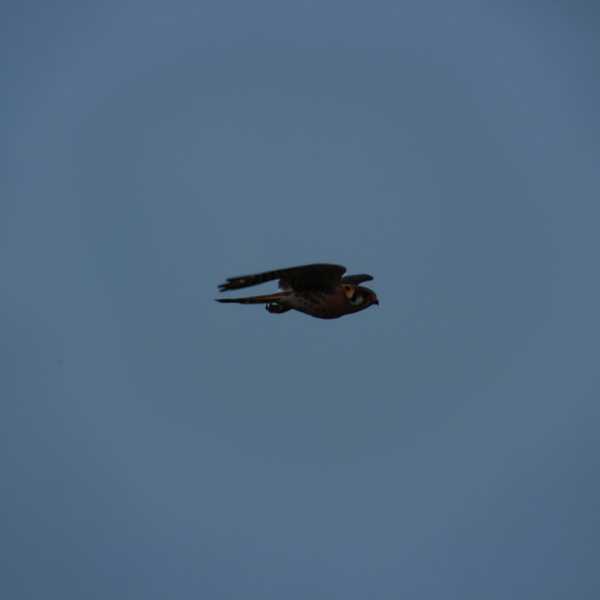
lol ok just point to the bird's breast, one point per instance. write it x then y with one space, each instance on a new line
326 305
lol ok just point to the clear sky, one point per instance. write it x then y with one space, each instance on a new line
156 444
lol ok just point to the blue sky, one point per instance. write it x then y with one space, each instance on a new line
157 444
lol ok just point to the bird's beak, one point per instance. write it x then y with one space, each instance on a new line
376 301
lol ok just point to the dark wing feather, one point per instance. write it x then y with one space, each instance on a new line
357 279
307 277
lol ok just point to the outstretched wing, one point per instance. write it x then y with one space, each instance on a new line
357 279
318 276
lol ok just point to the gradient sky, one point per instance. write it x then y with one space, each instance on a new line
156 444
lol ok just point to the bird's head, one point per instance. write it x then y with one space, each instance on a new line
370 297
360 297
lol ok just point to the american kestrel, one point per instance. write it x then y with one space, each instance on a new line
319 290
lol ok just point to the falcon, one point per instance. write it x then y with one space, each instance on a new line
319 290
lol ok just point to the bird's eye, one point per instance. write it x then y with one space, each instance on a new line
357 300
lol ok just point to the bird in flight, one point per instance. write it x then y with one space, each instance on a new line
319 290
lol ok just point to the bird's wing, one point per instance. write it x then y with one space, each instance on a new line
357 279
319 276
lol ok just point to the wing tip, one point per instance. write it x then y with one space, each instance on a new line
236 283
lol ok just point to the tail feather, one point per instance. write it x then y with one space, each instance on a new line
254 299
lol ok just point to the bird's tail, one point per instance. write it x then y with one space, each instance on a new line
255 299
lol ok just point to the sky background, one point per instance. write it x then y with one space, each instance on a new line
156 444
